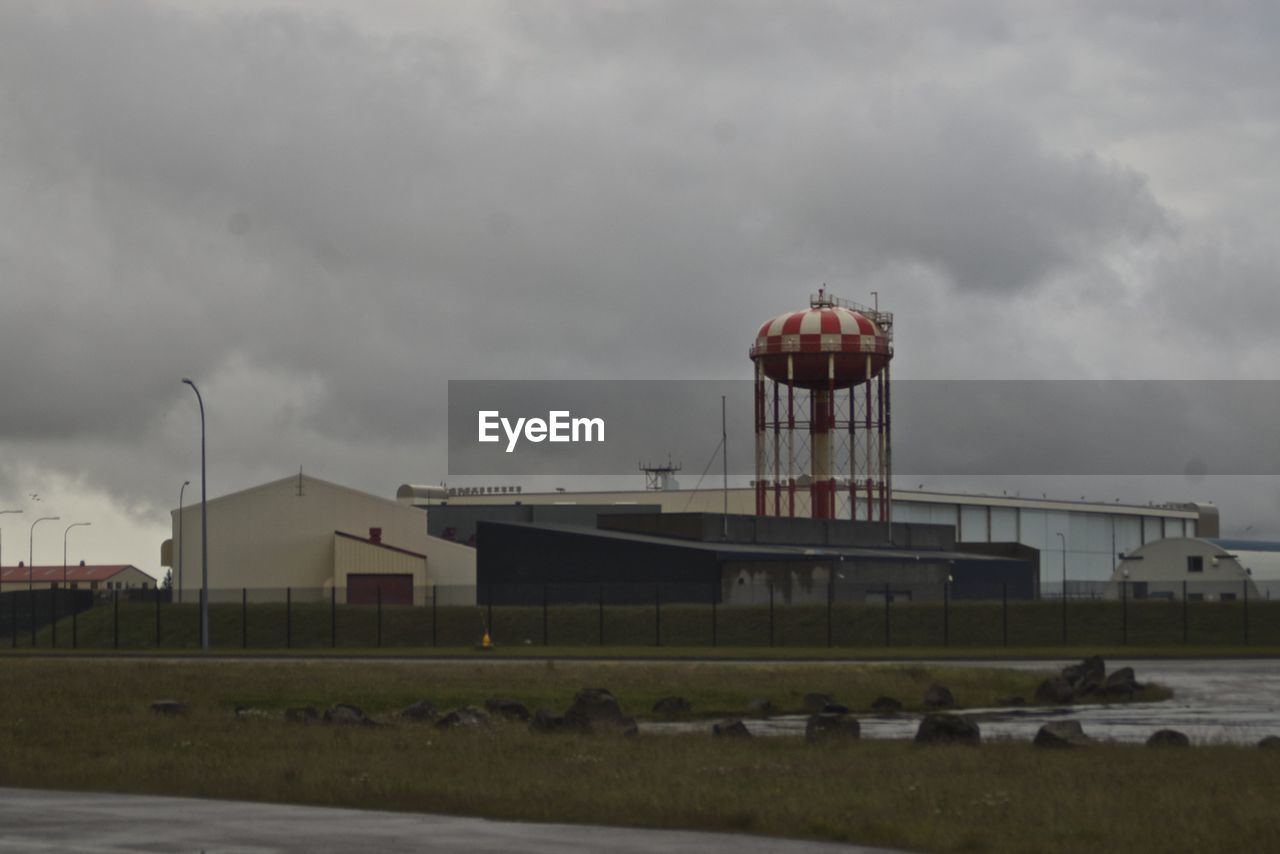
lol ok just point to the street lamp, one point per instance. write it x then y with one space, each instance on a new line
64 547
31 548
1063 537
185 484
2 512
204 533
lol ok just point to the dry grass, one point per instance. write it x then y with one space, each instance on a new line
86 725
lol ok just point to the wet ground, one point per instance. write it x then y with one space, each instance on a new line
1233 701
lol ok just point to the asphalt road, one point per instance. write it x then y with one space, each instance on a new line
88 823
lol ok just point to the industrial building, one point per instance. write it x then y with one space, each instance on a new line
307 534
77 577
1204 569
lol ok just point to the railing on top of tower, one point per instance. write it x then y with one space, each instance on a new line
882 319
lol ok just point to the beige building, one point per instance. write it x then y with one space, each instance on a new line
1204 569
311 536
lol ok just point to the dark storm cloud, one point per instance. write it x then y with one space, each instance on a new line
323 221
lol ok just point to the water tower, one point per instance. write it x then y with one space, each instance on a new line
822 412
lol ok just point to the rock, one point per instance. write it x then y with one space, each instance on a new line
464 716
1011 701
509 709
1168 738
423 710
1121 683
545 720
938 697
672 707
1093 666
829 726
948 729
1270 742
1087 686
732 729
170 708
817 702
1061 734
302 714
250 713
886 705
761 707
595 710
347 715
1056 690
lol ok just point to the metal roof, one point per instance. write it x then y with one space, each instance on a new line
100 572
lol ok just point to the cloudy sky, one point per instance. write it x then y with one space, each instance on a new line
324 211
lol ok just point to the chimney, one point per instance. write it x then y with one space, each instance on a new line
82 563
375 535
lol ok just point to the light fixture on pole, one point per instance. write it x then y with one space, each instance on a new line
31 548
204 532
183 488
64 547
2 512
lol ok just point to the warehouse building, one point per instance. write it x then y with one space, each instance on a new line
96 577
308 536
1202 569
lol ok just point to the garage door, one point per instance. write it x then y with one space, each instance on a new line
396 589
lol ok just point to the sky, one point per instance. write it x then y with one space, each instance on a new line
322 212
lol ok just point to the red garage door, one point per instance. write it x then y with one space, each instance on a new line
396 589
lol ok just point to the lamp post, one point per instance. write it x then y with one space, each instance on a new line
31 548
185 484
2 512
64 547
204 533
1063 537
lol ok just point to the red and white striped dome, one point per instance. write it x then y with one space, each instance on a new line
820 344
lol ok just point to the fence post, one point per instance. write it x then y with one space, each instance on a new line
288 617
1245 617
1124 613
244 617
333 617
657 615
830 595
1064 609
1185 632
75 612
888 638
115 621
435 588
33 617
714 616
601 591
13 617
53 614
946 613
544 615
771 613
1004 612
157 617
488 620
380 613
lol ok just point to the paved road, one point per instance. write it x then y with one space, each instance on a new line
86 823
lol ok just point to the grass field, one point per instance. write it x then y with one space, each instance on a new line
317 625
86 725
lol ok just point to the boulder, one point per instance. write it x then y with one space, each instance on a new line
1168 738
938 697
1087 686
503 707
170 708
1011 701
545 720
1121 683
1061 734
815 702
1055 690
1093 666
1270 742
761 707
595 710
948 729
346 714
827 726
886 705
423 710
302 714
464 716
672 707
731 729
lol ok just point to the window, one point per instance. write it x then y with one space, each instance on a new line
1195 563
1227 597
